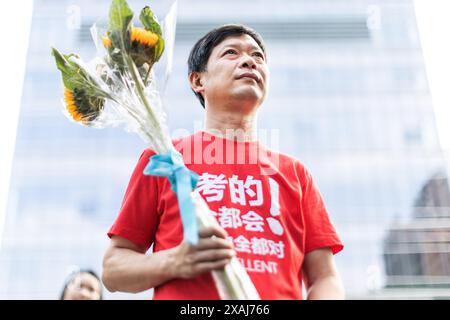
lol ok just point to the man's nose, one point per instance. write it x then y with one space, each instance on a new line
248 62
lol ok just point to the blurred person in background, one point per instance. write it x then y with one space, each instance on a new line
83 284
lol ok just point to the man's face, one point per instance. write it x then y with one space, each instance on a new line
236 74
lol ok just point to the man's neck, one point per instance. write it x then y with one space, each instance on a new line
239 127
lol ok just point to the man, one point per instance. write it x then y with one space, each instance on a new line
272 216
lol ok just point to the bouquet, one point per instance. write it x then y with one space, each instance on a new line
120 88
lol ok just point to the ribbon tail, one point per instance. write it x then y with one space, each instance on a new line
187 208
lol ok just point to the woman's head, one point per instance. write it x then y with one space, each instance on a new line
82 285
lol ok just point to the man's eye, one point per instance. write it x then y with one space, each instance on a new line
259 54
230 51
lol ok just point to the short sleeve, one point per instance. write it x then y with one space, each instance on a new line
137 220
319 230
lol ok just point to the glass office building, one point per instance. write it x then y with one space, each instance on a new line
348 97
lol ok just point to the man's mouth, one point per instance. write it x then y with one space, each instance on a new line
249 75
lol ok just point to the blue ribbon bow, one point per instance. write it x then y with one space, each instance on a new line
183 181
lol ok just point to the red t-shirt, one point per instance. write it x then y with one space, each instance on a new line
266 201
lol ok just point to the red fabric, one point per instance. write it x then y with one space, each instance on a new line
271 231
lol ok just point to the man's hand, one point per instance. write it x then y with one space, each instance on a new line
127 268
212 252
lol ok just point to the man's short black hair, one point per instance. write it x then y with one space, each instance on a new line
199 55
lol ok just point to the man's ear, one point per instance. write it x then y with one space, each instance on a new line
196 81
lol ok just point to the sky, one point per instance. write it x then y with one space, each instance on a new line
14 31
433 25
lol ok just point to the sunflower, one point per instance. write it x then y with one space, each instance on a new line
81 107
138 36
106 41
142 48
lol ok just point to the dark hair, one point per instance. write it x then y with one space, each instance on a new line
199 55
72 277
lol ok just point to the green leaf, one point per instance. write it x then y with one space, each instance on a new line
149 21
62 60
74 76
68 70
120 16
159 49
59 59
